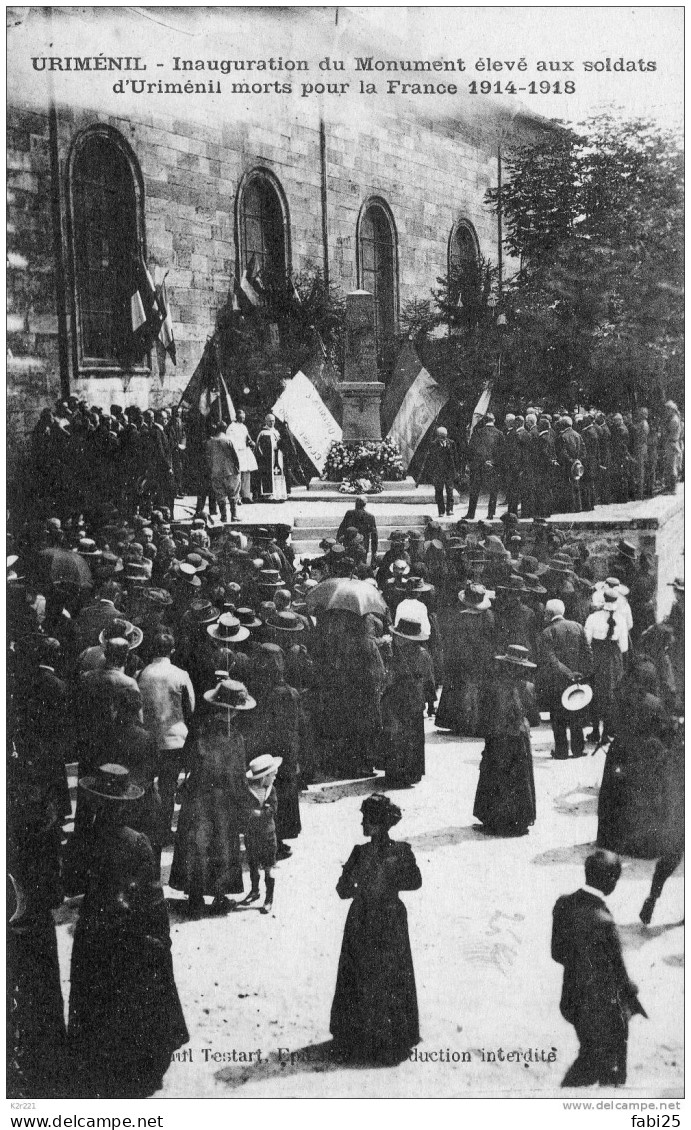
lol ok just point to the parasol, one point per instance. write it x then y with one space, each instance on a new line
344 594
56 565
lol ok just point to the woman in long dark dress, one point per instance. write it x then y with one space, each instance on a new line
374 1016
36 1067
125 1018
207 845
640 790
411 682
505 797
275 728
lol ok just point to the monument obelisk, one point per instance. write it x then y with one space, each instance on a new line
360 388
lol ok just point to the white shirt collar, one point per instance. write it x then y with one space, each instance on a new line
594 891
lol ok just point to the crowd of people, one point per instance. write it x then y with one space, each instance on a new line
231 674
558 463
85 460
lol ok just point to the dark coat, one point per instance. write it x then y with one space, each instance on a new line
486 446
365 524
597 990
591 445
562 650
125 1018
441 464
569 446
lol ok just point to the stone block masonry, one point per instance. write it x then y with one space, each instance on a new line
429 177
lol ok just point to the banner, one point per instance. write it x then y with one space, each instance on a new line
482 406
421 405
302 409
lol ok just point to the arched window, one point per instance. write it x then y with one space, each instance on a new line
263 228
464 265
378 266
106 199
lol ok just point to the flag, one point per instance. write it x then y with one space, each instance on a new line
207 395
408 366
302 410
145 314
421 405
165 335
482 406
251 284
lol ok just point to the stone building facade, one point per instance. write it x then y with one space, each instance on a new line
425 178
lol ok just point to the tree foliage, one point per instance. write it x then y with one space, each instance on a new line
595 218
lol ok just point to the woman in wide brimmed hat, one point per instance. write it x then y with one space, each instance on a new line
276 728
409 687
125 1019
207 845
469 647
374 1015
505 796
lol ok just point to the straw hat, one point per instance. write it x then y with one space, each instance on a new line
260 766
133 635
517 656
475 596
227 629
285 622
248 618
410 630
111 782
230 695
577 696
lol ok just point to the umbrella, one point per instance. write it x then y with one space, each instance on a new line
63 565
343 594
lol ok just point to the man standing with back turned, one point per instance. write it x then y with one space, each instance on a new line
597 997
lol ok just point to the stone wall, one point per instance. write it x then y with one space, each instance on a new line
430 173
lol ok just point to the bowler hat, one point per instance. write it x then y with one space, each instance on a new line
531 565
230 694
111 782
533 583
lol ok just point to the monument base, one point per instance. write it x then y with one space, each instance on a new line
361 420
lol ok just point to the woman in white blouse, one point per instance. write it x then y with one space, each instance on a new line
607 632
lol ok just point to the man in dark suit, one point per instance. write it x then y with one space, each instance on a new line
591 462
569 451
441 466
365 523
564 657
597 997
485 452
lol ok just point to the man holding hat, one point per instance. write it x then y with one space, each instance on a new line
564 658
485 454
442 469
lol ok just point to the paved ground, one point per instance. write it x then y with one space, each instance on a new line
480 932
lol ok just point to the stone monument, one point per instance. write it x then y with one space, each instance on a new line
360 388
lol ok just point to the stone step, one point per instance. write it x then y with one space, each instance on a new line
319 486
390 521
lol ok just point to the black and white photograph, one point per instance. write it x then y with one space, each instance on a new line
345 557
